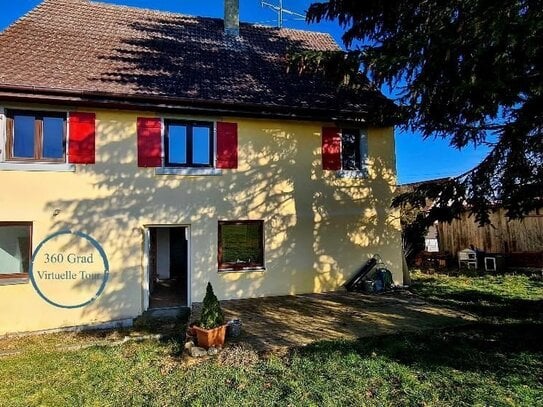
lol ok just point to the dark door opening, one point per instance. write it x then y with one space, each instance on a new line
168 266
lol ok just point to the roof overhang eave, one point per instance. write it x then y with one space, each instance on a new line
31 94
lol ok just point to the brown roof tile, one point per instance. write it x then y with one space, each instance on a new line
78 45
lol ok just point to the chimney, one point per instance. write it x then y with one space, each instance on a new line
231 17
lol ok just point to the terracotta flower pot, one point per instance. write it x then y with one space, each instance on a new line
210 337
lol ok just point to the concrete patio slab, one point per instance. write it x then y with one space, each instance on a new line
273 323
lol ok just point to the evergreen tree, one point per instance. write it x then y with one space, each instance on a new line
465 70
212 315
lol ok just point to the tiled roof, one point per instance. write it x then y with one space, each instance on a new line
97 48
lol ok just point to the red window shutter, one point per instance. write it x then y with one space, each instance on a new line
149 142
227 145
81 143
331 148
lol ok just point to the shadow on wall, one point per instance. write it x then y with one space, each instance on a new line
314 221
368 221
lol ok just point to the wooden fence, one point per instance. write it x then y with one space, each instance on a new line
502 236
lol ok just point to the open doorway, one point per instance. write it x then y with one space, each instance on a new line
168 266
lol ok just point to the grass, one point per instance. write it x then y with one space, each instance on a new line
497 362
514 297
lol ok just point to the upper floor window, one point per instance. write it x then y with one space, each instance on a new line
345 151
186 147
354 150
15 249
35 136
188 144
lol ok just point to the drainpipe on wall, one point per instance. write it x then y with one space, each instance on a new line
231 18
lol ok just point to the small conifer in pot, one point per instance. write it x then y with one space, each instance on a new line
212 316
211 329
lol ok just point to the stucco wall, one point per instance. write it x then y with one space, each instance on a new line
318 228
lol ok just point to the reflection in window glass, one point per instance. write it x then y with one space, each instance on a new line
189 144
241 244
14 249
177 146
354 149
350 152
23 139
53 137
363 145
200 145
36 136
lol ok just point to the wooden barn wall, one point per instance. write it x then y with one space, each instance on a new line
501 236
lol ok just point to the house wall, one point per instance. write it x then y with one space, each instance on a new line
318 228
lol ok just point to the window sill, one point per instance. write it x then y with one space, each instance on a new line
5 280
54 167
242 270
188 171
356 174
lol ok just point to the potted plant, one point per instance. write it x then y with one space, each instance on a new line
211 329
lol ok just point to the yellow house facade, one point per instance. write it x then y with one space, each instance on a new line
277 222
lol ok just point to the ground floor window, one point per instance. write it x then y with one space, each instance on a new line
241 245
15 249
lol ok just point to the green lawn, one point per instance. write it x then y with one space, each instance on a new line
514 297
497 363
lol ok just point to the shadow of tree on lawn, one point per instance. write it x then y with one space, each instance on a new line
481 348
481 303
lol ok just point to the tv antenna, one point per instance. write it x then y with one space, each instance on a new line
281 11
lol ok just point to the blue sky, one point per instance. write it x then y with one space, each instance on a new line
417 159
